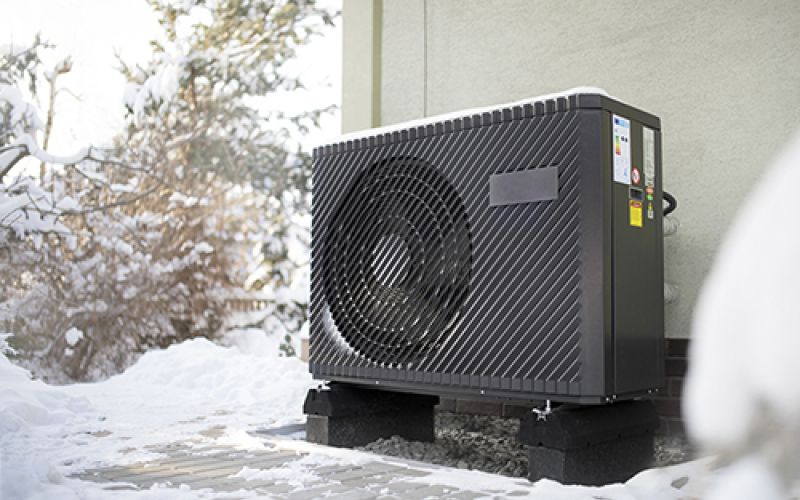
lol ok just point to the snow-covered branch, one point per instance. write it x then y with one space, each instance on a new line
26 208
26 146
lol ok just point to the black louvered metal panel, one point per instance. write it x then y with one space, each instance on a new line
419 283
399 261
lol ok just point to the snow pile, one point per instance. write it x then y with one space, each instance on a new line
26 403
678 482
48 432
26 407
742 396
297 473
247 379
748 478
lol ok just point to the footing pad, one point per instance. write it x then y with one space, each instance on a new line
347 416
591 445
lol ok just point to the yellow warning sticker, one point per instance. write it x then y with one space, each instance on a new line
635 213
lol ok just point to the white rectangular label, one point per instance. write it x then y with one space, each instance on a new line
649 141
621 145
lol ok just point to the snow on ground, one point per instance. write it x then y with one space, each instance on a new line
295 473
654 484
47 432
177 394
678 482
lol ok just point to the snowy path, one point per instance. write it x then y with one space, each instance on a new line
283 471
296 470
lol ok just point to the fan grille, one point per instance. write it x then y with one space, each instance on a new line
399 261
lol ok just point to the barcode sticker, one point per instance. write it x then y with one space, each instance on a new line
649 139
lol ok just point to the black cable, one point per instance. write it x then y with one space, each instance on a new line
673 203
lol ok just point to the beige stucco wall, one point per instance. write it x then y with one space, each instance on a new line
361 55
724 76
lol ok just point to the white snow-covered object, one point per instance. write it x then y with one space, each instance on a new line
742 395
73 336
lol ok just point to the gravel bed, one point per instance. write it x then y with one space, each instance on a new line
672 450
489 444
475 442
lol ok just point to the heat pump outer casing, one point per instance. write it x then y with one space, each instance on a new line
493 255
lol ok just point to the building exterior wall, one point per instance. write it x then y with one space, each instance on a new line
724 76
361 55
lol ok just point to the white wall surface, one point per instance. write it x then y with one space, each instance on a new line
724 76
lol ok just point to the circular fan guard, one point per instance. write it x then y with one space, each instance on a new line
398 261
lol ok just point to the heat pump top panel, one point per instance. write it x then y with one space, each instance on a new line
511 253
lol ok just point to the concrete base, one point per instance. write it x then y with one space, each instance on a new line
348 416
590 445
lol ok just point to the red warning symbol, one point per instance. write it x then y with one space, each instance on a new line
635 177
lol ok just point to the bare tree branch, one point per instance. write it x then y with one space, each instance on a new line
62 67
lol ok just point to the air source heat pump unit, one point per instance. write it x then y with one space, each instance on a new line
511 253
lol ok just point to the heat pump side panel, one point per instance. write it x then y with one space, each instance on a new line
637 262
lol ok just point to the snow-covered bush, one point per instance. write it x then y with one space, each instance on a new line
24 206
19 66
198 114
204 195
